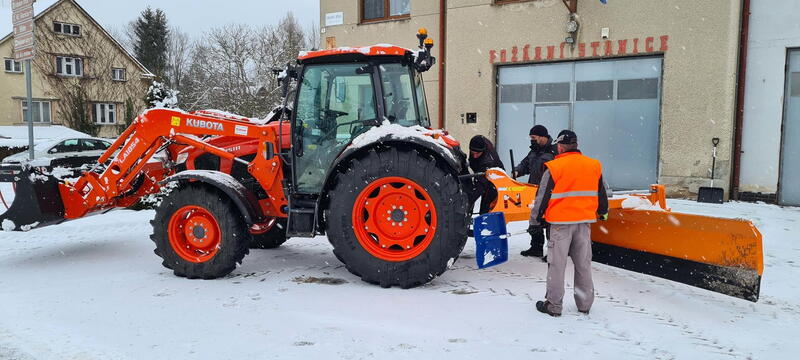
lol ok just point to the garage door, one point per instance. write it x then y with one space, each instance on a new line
790 152
613 106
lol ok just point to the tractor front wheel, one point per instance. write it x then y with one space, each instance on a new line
397 217
199 232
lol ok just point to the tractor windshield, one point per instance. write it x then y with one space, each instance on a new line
403 95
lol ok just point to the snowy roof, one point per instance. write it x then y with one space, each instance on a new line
377 49
17 136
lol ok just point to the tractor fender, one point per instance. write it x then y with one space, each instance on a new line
453 157
244 199
456 160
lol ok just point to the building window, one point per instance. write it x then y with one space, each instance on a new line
552 92
13 66
795 85
521 93
41 111
637 89
104 114
118 74
67 29
376 10
69 66
594 90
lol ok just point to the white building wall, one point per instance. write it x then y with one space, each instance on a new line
773 29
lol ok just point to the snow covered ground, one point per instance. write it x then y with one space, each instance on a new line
93 289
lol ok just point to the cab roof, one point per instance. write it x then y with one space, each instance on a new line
365 51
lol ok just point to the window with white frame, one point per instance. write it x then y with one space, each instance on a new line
41 111
104 113
12 66
118 74
67 29
69 66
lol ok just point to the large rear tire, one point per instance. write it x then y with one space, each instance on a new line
199 232
272 238
397 217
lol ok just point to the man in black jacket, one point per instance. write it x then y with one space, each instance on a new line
532 165
483 156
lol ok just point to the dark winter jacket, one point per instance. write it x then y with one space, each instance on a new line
533 164
489 159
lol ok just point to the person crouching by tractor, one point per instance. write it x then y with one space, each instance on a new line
571 196
482 157
532 165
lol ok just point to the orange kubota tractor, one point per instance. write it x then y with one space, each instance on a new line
349 154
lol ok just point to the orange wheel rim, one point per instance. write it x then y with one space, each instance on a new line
394 219
194 234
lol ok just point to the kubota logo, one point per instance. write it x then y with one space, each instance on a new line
210 125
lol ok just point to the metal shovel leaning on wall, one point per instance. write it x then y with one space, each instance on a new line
711 194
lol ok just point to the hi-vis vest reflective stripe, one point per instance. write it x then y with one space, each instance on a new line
574 197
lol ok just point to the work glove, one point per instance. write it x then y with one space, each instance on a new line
602 217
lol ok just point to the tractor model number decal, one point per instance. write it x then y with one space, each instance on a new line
240 130
210 125
128 150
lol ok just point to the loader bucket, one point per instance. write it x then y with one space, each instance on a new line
717 254
37 201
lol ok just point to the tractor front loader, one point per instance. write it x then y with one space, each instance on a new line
352 157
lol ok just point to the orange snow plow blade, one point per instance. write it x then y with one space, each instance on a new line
717 254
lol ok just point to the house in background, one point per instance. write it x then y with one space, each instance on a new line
82 77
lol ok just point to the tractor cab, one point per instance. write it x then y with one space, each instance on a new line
340 94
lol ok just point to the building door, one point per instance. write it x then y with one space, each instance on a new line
613 106
789 191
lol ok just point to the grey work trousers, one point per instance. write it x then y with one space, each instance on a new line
571 240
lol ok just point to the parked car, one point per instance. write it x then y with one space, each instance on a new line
70 153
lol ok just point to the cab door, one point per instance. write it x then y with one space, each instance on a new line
335 103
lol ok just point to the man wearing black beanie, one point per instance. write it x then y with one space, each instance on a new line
541 152
482 157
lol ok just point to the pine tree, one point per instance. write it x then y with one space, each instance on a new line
150 43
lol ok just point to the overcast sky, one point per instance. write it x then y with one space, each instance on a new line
192 16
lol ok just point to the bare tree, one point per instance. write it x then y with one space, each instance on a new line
178 57
232 67
312 36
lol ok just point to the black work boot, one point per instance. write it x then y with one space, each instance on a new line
543 307
535 251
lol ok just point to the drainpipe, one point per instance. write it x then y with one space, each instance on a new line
740 94
442 58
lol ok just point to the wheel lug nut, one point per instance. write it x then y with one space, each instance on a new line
408 246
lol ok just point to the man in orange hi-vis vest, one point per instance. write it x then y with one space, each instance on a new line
571 196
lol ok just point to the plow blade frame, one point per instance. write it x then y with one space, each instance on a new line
37 201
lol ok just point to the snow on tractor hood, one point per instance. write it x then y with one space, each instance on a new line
388 131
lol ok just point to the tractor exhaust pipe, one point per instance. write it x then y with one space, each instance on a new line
37 201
